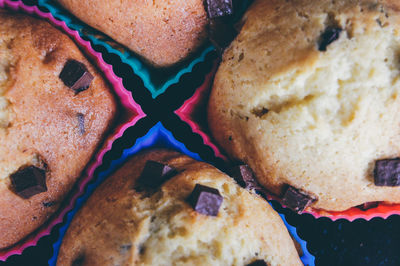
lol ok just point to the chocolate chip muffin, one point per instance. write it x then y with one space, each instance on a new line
54 110
308 96
162 32
164 208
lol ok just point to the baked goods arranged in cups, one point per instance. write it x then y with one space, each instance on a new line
308 96
55 110
162 207
162 32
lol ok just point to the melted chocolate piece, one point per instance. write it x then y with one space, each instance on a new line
387 172
76 76
258 263
81 123
296 199
330 35
219 8
205 200
154 174
244 176
29 181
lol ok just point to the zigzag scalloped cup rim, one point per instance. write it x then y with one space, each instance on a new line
144 71
383 210
186 111
158 136
132 112
186 114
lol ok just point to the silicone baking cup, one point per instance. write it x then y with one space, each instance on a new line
157 137
194 113
155 80
130 113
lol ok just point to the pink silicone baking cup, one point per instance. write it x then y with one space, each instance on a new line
194 113
130 113
382 210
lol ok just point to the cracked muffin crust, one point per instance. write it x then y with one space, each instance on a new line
123 225
308 96
48 131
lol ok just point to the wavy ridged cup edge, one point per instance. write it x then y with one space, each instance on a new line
132 113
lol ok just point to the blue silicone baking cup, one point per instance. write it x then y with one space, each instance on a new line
155 82
157 137
307 258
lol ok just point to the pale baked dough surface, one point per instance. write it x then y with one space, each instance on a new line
162 32
331 114
121 226
38 119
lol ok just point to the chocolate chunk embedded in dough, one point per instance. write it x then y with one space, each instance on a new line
296 199
81 123
29 181
244 176
205 200
387 172
76 76
219 8
154 174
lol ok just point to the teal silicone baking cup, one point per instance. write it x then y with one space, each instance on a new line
155 80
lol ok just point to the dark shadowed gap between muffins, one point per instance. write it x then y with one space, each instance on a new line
183 132
127 140
131 81
174 96
341 242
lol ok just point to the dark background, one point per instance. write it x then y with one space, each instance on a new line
375 242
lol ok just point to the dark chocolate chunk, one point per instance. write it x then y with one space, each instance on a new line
81 123
330 35
205 200
48 204
219 8
221 33
296 199
387 172
244 176
154 174
29 181
76 76
368 205
258 263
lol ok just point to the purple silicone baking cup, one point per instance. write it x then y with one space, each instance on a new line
157 137
130 113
